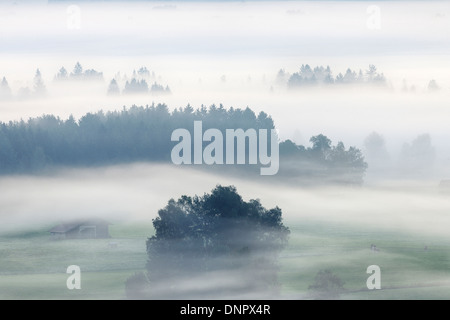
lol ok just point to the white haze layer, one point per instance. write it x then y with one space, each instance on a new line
138 191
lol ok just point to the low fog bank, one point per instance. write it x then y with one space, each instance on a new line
224 284
138 191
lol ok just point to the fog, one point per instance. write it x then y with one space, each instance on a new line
415 210
138 191
230 54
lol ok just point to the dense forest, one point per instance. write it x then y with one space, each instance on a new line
144 134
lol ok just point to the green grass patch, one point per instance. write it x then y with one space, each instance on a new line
33 266
406 267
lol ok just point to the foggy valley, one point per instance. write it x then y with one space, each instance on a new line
81 83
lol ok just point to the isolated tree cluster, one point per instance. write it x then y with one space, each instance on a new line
319 75
322 162
217 232
78 73
135 86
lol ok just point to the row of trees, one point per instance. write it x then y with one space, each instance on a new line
137 84
144 134
78 74
319 75
140 79
322 161
323 76
415 158
137 87
39 89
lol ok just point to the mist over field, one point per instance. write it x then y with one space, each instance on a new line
138 191
330 226
239 55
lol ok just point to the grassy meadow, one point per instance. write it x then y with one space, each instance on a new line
408 271
32 266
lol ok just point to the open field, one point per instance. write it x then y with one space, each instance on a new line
34 267
408 271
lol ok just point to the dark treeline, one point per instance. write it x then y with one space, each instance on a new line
144 134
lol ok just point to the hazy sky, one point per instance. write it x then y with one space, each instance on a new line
396 36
